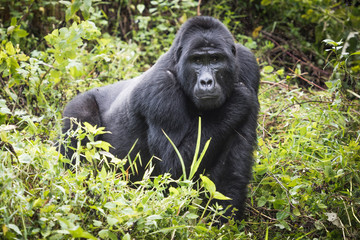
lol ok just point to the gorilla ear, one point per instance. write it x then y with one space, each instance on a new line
233 50
178 54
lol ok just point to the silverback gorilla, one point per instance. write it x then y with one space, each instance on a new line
205 73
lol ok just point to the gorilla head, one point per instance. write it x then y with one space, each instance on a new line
205 57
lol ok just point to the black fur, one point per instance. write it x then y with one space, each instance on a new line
203 74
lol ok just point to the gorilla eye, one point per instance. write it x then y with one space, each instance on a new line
214 59
196 59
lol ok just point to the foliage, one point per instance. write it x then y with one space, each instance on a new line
296 31
308 161
306 177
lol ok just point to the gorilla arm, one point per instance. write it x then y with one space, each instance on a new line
232 172
162 104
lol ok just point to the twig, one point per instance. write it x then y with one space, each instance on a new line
352 205
254 209
274 83
306 62
286 190
299 103
301 77
9 148
198 8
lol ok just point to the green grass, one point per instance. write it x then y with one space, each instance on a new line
307 166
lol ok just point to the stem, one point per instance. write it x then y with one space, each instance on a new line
207 205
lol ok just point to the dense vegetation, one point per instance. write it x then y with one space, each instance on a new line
307 173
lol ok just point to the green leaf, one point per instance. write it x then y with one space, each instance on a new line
20 33
75 7
282 215
15 228
283 224
208 184
10 48
3 107
126 237
261 201
66 3
260 169
268 69
85 9
220 196
25 158
140 8
191 216
10 30
13 21
178 154
12 64
201 229
321 205
112 221
78 232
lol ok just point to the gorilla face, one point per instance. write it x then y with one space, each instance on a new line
207 66
207 72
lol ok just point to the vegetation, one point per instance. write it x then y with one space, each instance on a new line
307 171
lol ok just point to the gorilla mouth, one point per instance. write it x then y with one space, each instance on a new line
207 102
207 97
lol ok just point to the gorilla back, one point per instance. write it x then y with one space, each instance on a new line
205 73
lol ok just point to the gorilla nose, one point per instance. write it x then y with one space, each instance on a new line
206 83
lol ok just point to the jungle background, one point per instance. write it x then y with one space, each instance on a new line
306 182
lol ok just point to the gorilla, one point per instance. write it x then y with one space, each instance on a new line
205 73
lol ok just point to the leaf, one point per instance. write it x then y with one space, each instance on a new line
9 48
126 237
220 196
256 32
178 154
261 201
140 8
15 228
283 224
20 33
112 221
268 69
173 191
75 7
208 184
12 64
78 232
3 107
25 158
10 30
282 215
66 3
321 205
90 128
260 169
13 21
191 216
85 9
154 217
201 229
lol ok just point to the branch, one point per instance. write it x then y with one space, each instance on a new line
305 62
198 8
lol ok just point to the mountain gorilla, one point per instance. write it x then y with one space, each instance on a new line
205 73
